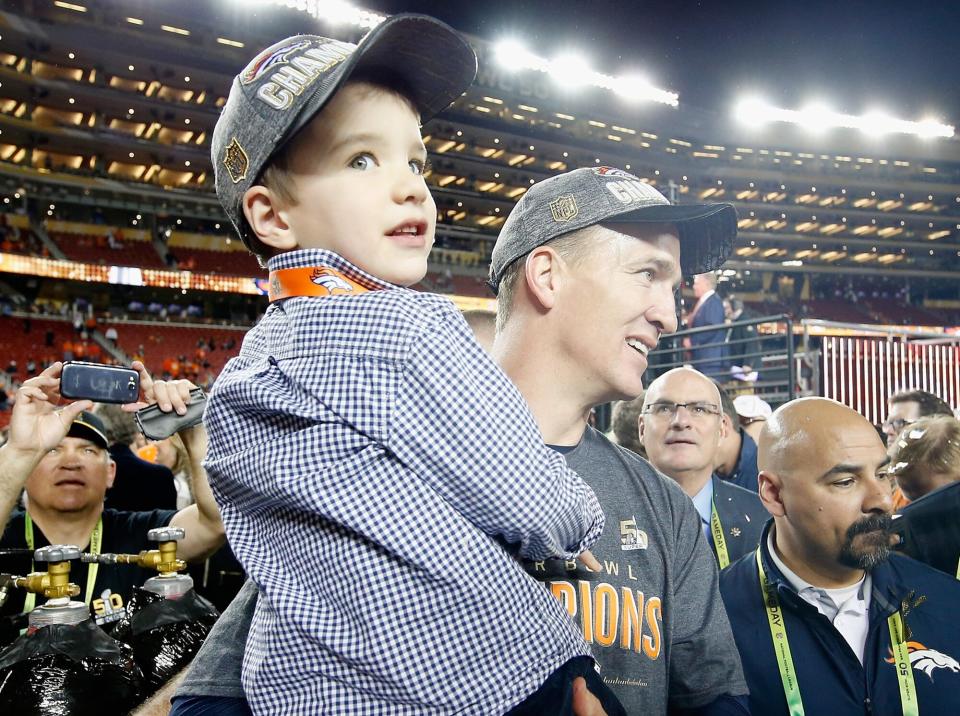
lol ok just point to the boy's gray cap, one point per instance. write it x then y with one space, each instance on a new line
595 195
284 87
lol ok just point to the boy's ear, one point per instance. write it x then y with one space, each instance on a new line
265 213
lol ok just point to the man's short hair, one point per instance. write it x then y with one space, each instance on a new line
120 426
624 423
572 247
928 403
726 404
735 303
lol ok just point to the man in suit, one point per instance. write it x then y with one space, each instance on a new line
681 426
708 351
743 346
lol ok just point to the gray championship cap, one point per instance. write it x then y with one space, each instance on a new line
594 195
284 87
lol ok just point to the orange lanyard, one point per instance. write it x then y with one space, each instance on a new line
312 281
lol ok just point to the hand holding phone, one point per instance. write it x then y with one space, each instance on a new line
98 382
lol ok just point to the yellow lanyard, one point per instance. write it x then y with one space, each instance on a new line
719 542
96 539
788 673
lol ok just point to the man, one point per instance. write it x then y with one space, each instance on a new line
623 423
708 350
660 633
60 457
926 463
743 346
737 453
138 485
904 408
681 427
907 406
826 620
752 411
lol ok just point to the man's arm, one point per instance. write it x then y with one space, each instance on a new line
36 426
201 523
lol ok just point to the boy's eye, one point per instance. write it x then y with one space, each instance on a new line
363 162
419 166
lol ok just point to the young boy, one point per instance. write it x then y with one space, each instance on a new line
363 447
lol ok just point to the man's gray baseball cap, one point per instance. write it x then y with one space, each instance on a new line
595 195
284 87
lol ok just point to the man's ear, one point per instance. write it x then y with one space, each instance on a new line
640 428
542 273
111 473
771 493
726 426
265 213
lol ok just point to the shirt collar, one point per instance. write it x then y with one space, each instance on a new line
301 258
825 600
703 501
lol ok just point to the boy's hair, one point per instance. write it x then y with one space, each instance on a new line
277 176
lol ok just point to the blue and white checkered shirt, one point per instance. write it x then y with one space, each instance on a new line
364 451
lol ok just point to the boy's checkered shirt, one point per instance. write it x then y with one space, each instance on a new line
368 457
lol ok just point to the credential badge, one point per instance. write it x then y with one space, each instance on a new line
564 208
236 161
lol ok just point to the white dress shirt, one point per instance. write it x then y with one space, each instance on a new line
847 608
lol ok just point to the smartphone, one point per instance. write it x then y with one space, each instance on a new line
158 425
99 383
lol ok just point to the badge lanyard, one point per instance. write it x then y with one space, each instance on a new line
96 539
312 281
719 541
788 674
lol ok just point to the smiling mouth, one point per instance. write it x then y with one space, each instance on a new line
639 347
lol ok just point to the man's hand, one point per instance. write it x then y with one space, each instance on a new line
584 702
36 425
170 395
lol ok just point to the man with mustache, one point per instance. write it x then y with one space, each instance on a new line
827 621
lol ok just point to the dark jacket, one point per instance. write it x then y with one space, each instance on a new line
742 517
709 348
930 529
745 472
140 485
743 345
831 678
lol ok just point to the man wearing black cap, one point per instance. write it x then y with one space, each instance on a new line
60 458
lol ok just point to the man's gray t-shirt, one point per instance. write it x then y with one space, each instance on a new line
653 618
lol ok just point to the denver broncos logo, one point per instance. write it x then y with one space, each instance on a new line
927 660
330 281
270 58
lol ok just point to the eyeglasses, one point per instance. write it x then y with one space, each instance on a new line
896 425
698 410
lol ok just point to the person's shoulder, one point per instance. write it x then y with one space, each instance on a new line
935 501
740 496
912 573
13 530
139 520
739 575
596 443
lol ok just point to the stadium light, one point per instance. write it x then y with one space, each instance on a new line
332 11
818 117
574 70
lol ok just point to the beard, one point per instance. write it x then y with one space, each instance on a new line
873 545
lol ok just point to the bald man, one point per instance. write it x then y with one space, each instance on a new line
857 630
681 426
